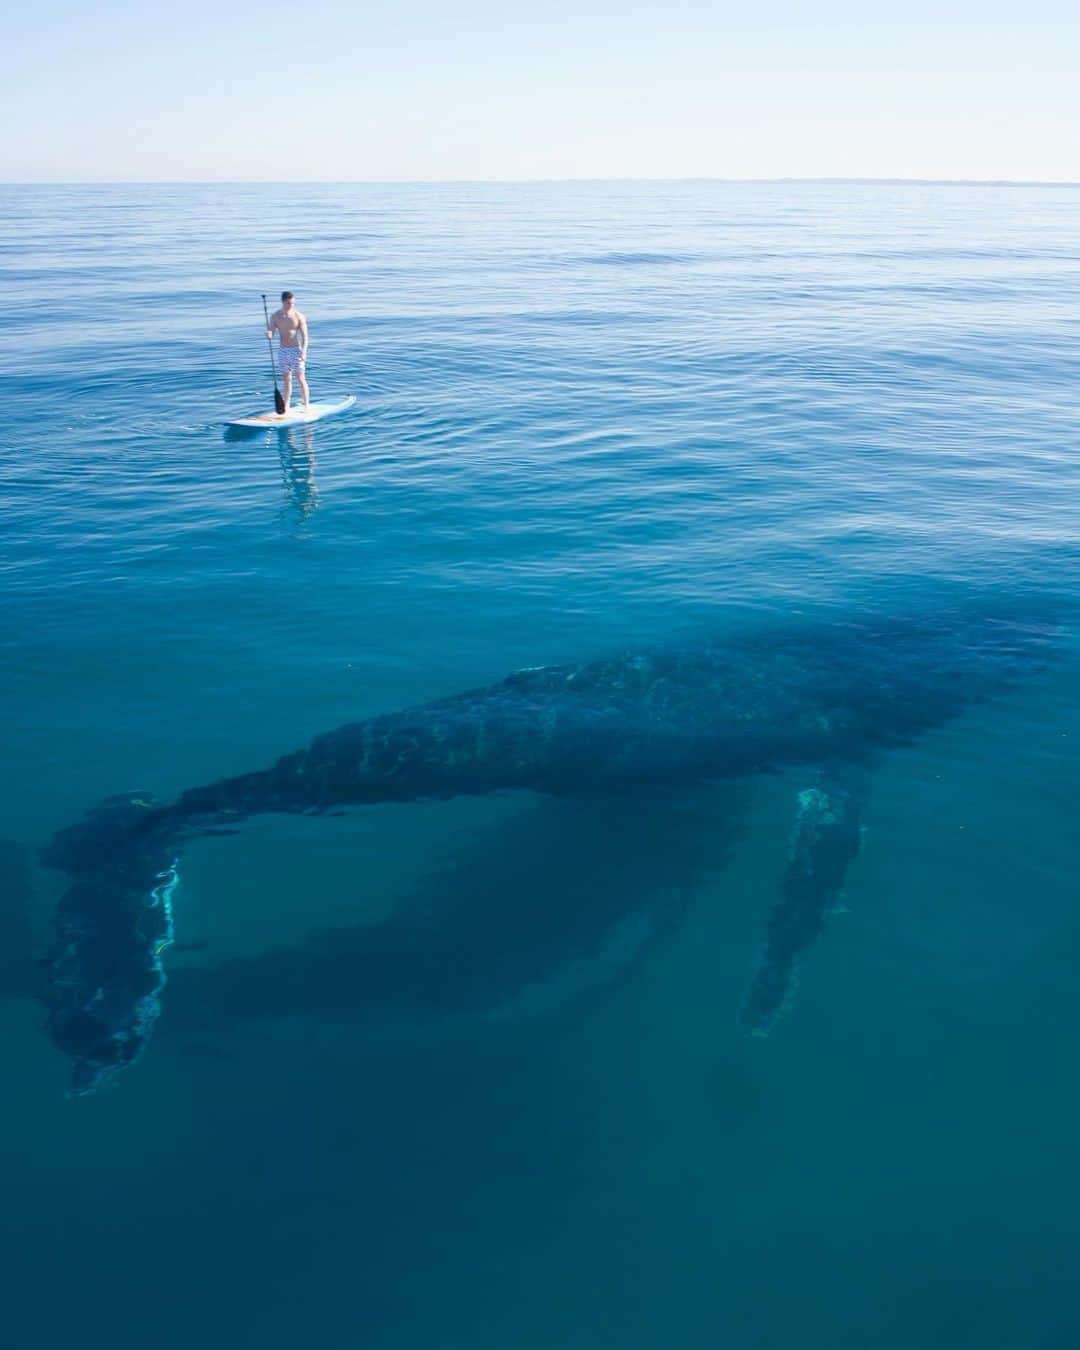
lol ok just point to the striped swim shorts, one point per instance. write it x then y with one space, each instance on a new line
290 362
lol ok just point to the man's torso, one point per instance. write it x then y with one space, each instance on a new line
288 326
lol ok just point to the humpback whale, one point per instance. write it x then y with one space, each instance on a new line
822 699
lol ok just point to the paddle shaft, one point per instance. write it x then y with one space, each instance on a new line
279 401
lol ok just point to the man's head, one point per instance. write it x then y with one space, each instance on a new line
287 298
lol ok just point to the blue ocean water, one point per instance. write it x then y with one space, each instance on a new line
589 416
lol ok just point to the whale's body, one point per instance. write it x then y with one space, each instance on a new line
824 698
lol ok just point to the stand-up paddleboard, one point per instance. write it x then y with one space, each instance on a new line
296 416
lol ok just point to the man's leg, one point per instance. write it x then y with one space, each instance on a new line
286 380
302 377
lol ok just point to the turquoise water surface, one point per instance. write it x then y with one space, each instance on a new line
590 417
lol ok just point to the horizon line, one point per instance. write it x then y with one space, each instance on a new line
484 182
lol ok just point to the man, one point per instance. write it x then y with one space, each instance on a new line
291 328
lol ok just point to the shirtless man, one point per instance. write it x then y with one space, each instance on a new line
291 328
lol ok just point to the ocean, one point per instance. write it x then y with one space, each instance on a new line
591 418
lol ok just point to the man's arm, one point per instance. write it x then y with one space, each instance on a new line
273 324
303 338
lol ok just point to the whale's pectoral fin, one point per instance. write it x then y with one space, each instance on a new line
825 839
112 925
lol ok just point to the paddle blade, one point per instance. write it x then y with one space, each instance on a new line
279 401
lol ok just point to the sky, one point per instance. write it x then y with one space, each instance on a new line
333 90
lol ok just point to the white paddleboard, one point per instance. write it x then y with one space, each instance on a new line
296 415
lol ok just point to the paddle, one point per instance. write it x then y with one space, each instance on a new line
279 402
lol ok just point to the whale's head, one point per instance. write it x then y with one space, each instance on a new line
100 1040
106 971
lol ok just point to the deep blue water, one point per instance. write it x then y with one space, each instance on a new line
589 416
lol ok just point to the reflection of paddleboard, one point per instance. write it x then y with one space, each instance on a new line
296 414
